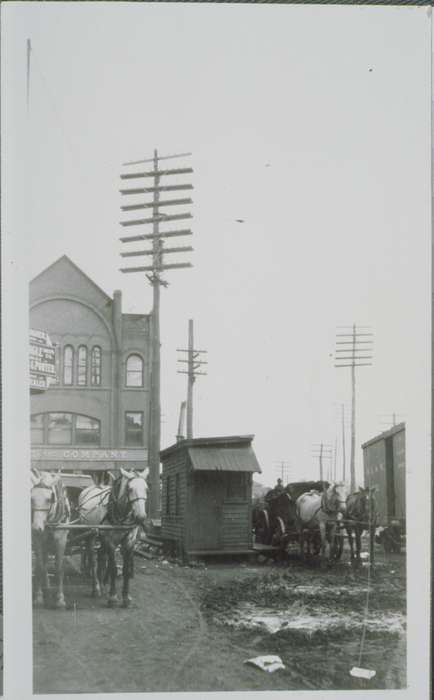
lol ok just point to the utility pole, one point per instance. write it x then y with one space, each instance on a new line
180 434
354 356
335 451
193 362
343 443
321 452
391 419
157 253
283 468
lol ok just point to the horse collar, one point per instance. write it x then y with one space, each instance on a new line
325 507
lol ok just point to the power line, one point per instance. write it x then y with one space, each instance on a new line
284 467
356 353
322 451
193 361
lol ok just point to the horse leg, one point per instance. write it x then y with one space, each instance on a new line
60 544
332 541
323 533
39 569
127 574
358 536
101 569
350 540
111 573
301 540
90 547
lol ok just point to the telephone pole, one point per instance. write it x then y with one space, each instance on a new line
180 433
158 253
284 467
391 420
335 453
354 355
321 452
343 443
193 363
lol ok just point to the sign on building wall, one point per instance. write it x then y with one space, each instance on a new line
80 454
42 361
88 459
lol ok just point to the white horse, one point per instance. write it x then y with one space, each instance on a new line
122 503
50 506
321 510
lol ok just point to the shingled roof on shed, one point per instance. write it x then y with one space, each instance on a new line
232 453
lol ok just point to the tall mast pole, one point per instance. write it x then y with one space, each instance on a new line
322 450
155 403
334 475
190 381
353 417
359 354
193 363
156 252
320 463
343 444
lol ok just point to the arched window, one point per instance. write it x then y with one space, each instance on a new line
68 364
95 366
59 429
65 429
134 371
87 431
82 366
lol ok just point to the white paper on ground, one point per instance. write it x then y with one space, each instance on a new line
362 673
266 663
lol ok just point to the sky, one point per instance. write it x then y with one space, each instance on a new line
312 125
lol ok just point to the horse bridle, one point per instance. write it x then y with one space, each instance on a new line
138 498
58 509
53 498
325 507
129 500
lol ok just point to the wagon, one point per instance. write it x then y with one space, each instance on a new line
274 518
384 468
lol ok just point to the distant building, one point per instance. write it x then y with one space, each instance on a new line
95 416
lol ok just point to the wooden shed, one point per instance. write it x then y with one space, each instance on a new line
207 495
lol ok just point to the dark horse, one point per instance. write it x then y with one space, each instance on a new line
50 506
120 505
272 516
360 516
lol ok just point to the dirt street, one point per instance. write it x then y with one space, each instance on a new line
192 628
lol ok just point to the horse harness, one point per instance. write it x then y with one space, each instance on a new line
113 514
59 502
323 506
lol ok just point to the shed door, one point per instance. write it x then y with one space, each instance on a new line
206 516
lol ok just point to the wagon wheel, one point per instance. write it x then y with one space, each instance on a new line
279 532
263 531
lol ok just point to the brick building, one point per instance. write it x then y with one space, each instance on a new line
95 416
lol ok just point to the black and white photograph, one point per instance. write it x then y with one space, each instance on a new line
217 279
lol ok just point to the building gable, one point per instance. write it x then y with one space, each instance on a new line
64 279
